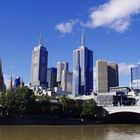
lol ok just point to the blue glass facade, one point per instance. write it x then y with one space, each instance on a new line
135 77
82 71
1 77
17 82
43 66
51 77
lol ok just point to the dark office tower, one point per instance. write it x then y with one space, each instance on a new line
51 78
135 77
106 76
1 77
17 82
82 70
39 66
101 76
113 75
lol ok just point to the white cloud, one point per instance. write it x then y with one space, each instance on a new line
115 14
66 27
125 69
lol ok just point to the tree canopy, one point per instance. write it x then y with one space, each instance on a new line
89 108
17 103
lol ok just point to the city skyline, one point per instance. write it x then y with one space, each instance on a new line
119 44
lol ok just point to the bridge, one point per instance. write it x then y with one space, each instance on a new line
119 109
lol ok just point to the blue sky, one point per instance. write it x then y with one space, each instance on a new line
111 32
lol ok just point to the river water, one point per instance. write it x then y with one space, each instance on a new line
91 132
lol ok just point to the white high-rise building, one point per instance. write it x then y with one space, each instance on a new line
66 81
39 66
60 67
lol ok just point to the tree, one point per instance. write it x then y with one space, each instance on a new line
88 108
17 103
7 102
63 102
24 100
2 103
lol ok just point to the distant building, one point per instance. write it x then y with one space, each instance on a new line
82 70
135 77
11 84
106 76
113 75
22 83
114 99
2 86
101 76
51 78
66 83
121 90
39 66
17 82
60 67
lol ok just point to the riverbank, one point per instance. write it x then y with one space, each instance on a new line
49 122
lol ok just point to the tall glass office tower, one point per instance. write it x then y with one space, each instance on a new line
51 78
82 70
39 66
135 77
1 77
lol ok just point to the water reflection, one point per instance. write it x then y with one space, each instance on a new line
94 132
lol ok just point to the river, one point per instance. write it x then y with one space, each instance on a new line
52 132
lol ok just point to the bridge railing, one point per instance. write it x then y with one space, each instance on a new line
113 109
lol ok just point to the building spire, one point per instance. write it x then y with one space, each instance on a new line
83 39
40 40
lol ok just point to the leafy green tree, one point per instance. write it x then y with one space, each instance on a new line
88 108
2 103
24 100
17 103
63 102
7 102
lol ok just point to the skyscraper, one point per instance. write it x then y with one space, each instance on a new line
106 76
39 66
135 77
82 70
1 77
113 75
11 84
101 76
60 67
17 82
51 77
66 81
